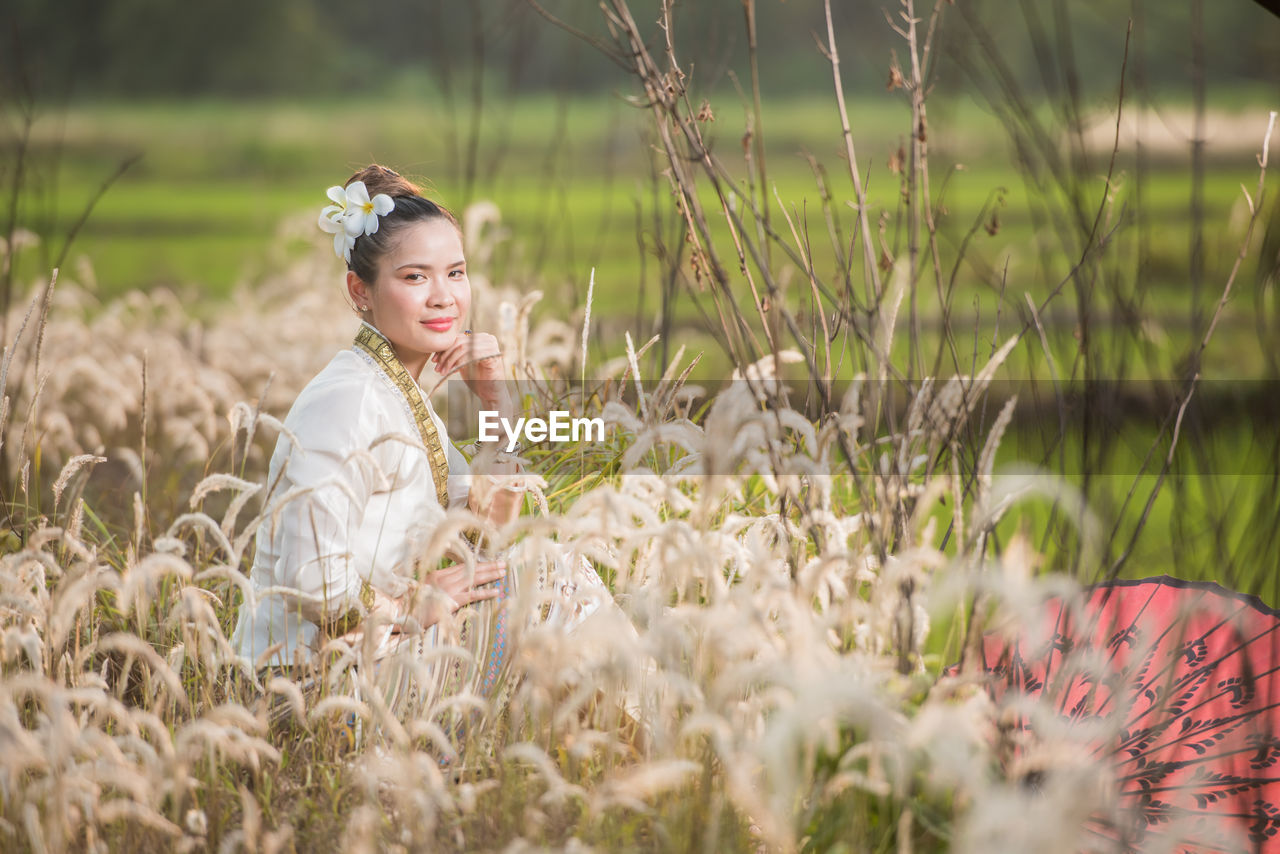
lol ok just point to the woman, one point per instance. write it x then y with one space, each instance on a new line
364 472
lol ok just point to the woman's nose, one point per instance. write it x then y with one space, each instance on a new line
438 293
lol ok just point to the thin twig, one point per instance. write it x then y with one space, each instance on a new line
1197 357
869 255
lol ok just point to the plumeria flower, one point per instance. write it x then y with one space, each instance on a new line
343 243
331 216
362 212
338 195
333 221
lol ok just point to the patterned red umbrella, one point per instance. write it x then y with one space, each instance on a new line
1175 686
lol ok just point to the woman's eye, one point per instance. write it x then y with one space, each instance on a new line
457 274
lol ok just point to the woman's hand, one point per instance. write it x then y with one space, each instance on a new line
478 359
459 587
498 498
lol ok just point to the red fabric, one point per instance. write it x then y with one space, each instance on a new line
1188 674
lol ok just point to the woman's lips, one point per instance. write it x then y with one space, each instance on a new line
440 324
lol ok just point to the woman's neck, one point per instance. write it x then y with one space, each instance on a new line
412 362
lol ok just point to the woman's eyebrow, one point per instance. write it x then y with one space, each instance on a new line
423 265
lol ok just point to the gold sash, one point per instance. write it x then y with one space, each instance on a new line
372 342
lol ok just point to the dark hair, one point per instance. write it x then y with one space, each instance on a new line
410 207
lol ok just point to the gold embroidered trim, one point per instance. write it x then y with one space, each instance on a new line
371 341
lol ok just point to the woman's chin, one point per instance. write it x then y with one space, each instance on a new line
438 343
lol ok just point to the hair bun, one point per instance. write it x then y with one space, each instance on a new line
380 179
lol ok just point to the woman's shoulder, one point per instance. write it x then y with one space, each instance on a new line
345 379
344 398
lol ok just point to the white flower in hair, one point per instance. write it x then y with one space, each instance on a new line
334 212
352 214
363 212
332 221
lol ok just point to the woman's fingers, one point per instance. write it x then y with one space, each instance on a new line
490 571
466 350
477 592
479 595
446 360
460 586
451 366
456 580
477 359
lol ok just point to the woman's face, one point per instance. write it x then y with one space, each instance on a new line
421 296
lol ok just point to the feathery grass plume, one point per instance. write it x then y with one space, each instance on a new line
361 834
243 490
635 788
68 471
134 647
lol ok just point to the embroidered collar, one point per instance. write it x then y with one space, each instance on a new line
372 342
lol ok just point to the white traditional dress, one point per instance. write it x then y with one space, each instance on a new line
362 477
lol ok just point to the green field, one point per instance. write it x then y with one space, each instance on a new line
203 211
202 204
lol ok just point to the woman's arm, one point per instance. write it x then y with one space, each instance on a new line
497 492
447 589
328 485
497 498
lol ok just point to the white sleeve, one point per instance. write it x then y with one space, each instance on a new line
329 476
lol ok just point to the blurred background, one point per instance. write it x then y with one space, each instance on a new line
240 113
153 146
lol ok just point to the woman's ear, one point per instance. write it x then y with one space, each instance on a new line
358 291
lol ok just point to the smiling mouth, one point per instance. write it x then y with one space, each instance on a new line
440 324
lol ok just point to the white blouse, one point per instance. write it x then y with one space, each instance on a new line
356 504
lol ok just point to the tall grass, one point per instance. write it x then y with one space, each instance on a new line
132 724
795 557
